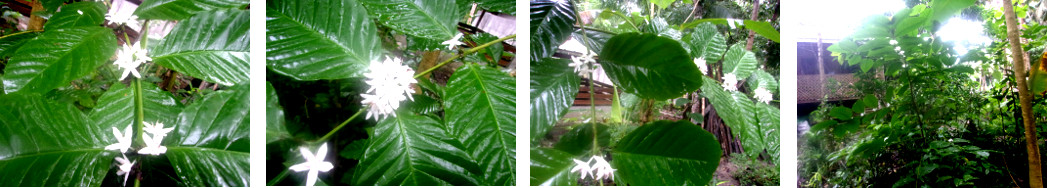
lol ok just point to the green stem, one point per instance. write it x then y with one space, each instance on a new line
279 177
139 110
467 52
331 133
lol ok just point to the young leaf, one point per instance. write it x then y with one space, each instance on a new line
181 9
324 39
481 112
553 88
432 19
666 153
649 66
77 14
550 167
212 46
552 22
56 57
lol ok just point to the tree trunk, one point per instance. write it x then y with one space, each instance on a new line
1018 56
35 22
752 34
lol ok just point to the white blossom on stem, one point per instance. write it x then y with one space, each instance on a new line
313 163
730 82
453 42
156 129
123 141
763 95
581 167
584 64
152 145
390 83
600 170
123 18
124 169
129 58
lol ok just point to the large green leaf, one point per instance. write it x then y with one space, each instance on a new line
739 61
761 78
579 140
324 39
666 153
212 46
553 88
431 19
481 112
77 14
761 28
594 40
45 143
214 134
550 167
552 22
117 107
735 108
500 6
274 116
765 131
181 9
10 43
944 9
412 149
650 66
56 57
706 42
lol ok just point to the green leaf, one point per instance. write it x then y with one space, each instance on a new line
45 143
213 134
942 10
275 128
1037 81
666 153
739 61
181 9
764 136
594 40
411 149
870 100
355 150
579 140
763 29
212 46
752 123
57 57
493 51
500 6
706 42
117 106
423 104
649 66
842 113
550 167
552 22
761 78
823 125
324 39
909 25
77 14
10 43
432 19
481 113
553 88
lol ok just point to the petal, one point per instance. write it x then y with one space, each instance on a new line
323 166
320 154
306 153
300 167
310 179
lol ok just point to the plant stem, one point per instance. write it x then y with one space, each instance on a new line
1024 96
467 52
139 110
278 178
331 133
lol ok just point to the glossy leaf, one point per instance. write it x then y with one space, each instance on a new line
481 113
764 136
181 9
594 40
10 43
761 78
275 128
412 149
212 46
117 107
500 6
553 88
706 42
325 39
45 143
944 9
214 134
206 167
424 104
666 153
736 110
56 57
77 14
550 167
649 66
579 140
761 28
431 19
739 61
552 22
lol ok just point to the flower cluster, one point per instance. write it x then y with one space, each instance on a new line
730 82
453 42
763 95
122 18
599 170
129 58
152 144
390 83
585 63
313 163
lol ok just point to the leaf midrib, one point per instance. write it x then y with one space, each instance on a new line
490 103
316 33
191 52
443 28
72 48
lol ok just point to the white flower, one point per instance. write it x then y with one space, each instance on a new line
730 82
763 95
129 58
125 18
584 64
602 168
701 65
390 84
123 141
124 167
152 145
157 129
582 167
453 42
313 163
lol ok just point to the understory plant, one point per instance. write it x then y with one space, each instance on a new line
380 92
73 115
649 59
